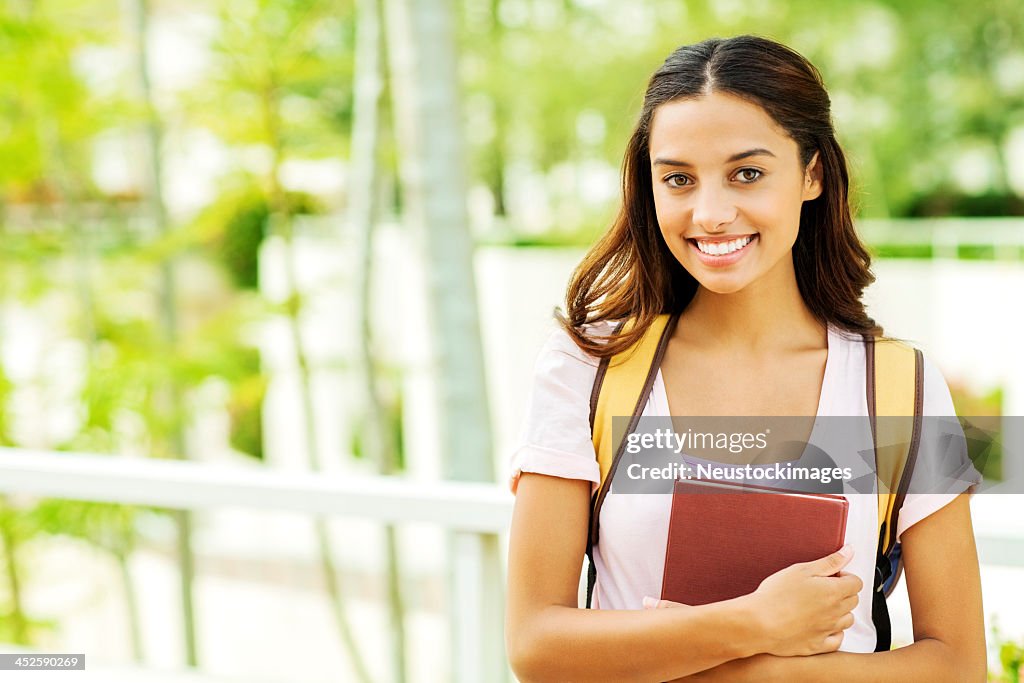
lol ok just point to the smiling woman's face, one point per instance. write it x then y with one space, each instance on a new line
728 188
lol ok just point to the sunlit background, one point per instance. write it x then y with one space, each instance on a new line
274 273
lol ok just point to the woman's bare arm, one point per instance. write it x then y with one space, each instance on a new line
549 637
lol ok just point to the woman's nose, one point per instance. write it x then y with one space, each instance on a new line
713 208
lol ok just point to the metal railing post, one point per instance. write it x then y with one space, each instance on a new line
477 592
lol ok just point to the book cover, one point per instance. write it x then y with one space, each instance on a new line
724 539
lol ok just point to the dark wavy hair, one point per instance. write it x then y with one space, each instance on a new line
630 272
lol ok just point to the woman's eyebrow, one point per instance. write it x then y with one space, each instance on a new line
735 157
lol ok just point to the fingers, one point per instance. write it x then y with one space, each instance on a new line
836 629
849 584
833 641
829 643
831 564
847 604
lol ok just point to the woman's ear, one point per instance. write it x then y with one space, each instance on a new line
813 178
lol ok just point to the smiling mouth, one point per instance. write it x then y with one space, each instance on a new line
722 248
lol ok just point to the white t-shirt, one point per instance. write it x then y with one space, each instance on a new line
555 440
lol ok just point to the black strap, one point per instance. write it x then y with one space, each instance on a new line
879 608
591 575
595 393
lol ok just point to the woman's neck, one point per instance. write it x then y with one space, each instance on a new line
767 316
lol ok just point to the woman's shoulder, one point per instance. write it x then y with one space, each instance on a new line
555 436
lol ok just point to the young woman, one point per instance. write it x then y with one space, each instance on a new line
736 215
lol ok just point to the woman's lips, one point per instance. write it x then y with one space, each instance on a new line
721 260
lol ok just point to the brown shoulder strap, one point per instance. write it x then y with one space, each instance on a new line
915 445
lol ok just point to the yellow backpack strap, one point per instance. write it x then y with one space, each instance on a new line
621 388
617 389
895 375
895 388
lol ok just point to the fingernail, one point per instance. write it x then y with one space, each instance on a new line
846 550
649 602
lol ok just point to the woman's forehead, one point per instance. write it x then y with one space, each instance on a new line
713 128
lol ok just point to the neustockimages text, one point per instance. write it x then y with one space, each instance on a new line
775 471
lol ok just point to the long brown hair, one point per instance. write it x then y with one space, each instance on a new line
630 272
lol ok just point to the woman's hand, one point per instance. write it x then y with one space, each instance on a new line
806 607
803 608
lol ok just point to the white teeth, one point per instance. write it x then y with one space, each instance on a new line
721 248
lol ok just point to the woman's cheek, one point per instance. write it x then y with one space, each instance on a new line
669 221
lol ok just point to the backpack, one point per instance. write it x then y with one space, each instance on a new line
895 387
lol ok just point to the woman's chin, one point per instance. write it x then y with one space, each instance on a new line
723 285
725 290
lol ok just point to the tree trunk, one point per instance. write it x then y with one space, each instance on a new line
168 318
9 540
132 604
421 48
280 219
362 195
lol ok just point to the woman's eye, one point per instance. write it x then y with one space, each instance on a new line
746 178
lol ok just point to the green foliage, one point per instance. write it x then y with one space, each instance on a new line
246 407
907 251
393 418
292 53
953 203
17 526
31 630
6 388
979 413
48 112
107 526
1011 658
240 243
232 229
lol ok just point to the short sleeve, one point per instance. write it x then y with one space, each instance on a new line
554 438
944 469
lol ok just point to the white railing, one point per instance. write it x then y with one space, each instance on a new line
186 485
475 513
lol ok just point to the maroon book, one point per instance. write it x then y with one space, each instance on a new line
724 540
